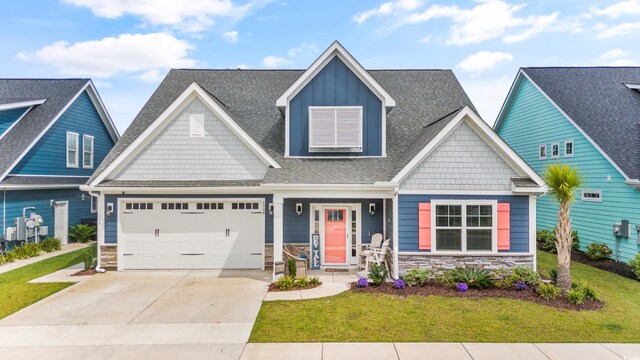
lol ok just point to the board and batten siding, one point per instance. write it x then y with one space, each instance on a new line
9 117
335 85
408 219
111 221
463 161
174 155
41 199
531 121
48 156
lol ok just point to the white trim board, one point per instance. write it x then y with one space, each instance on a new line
15 122
190 93
102 111
21 104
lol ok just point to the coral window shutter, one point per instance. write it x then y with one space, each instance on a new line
424 226
504 228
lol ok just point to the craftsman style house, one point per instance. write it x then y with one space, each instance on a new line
221 168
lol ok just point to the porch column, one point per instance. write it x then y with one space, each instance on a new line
396 242
278 236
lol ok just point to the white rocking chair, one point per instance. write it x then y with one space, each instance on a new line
376 256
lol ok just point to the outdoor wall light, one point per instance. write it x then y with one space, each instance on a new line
110 208
271 209
298 209
372 208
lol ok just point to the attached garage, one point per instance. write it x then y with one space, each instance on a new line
191 233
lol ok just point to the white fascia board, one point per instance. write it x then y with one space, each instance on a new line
633 86
37 187
336 49
193 91
174 190
506 105
529 189
15 122
44 131
21 104
102 111
485 131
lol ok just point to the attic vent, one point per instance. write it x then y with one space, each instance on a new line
196 125
338 127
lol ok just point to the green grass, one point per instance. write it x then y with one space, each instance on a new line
15 291
350 317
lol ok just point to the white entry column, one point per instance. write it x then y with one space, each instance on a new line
278 236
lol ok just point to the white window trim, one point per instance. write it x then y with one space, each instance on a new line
573 148
552 145
93 145
93 202
336 148
599 192
463 204
540 147
66 147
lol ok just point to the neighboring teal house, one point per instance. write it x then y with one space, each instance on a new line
53 134
588 117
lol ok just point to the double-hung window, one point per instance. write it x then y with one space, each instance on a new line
335 128
555 150
462 226
542 152
87 151
72 149
568 148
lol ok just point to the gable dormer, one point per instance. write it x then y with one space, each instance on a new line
335 109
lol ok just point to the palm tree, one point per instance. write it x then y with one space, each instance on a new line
563 181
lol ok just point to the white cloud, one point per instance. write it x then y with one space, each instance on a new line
304 49
618 57
630 7
127 53
185 15
627 28
487 102
540 24
243 66
386 9
151 76
483 61
272 61
231 36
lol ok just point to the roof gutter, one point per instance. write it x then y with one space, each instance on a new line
635 183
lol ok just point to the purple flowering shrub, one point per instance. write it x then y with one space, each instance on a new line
462 287
520 285
399 284
362 283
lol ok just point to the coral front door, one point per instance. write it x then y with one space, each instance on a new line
335 236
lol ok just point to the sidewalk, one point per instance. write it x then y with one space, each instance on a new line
20 263
444 351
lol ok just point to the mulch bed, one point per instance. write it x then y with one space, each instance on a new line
609 265
85 272
273 287
493 292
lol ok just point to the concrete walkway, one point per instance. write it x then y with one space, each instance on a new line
20 263
444 351
333 283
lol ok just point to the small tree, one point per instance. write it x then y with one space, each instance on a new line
82 233
563 181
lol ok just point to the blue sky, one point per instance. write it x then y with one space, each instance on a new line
127 46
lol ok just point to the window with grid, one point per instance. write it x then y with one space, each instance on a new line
464 227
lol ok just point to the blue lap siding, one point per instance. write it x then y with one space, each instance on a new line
408 218
9 117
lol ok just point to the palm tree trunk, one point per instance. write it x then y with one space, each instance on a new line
563 244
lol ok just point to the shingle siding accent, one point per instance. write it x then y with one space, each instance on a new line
463 161
174 155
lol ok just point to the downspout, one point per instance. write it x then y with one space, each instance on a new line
98 222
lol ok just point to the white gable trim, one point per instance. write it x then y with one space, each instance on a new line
15 122
336 49
487 134
102 112
512 93
21 104
192 92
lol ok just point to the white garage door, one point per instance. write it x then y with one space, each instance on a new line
192 234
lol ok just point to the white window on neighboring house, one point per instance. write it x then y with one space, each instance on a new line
196 125
72 149
542 152
87 151
555 150
592 195
568 148
335 127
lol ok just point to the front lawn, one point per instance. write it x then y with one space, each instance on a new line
351 317
15 291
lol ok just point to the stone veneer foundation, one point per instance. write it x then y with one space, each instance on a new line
109 257
449 262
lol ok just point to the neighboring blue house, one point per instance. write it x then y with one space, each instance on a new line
589 118
221 168
53 134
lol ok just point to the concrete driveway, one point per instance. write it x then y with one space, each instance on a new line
145 314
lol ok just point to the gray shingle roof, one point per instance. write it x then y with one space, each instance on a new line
57 92
600 103
249 96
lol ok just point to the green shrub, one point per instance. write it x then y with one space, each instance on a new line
314 281
546 238
589 293
520 273
291 266
597 251
553 274
473 277
26 251
301 281
89 257
8 257
417 276
378 274
50 244
285 283
576 296
548 291
82 233
446 279
635 266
